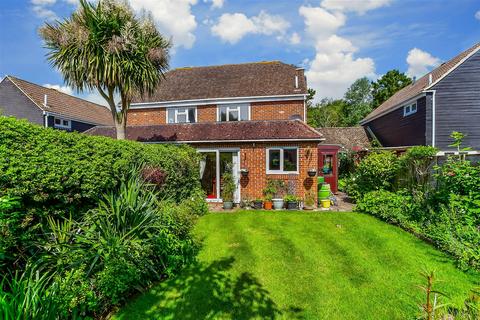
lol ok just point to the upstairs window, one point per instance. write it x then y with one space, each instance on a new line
61 123
234 112
182 115
409 109
282 160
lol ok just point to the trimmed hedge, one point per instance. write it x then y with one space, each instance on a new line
59 170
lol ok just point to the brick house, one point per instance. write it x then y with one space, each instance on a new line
250 117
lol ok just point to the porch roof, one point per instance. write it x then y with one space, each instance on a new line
210 132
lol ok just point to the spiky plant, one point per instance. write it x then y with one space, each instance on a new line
105 46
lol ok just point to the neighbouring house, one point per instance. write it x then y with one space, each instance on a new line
338 140
427 111
248 118
49 107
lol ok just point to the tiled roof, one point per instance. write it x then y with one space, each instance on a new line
216 131
226 81
351 138
64 104
421 84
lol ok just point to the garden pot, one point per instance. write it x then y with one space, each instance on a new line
308 208
258 204
244 172
292 205
324 191
325 203
312 173
277 204
268 205
227 205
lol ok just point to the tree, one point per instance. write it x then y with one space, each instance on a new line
358 102
104 46
327 113
387 85
310 96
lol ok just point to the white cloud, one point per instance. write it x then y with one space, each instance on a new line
420 62
42 8
216 4
173 18
295 38
64 89
232 27
358 6
477 15
335 67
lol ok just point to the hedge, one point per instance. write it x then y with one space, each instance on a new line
61 170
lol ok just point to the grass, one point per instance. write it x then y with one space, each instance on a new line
296 265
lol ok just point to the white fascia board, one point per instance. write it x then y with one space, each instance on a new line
398 106
216 101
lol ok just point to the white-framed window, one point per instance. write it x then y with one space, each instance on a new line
409 109
282 160
182 115
62 123
234 112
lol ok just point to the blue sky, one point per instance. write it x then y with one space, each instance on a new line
336 41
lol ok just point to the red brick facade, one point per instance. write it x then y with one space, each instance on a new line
277 110
253 158
271 110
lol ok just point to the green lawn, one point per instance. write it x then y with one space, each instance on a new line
299 265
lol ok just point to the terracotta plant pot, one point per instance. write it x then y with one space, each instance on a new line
268 205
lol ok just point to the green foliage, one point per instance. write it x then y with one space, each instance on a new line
104 46
388 85
458 141
358 100
416 168
346 164
327 113
290 198
24 297
228 186
377 171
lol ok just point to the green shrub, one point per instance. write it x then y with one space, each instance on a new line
59 170
416 168
55 174
459 177
377 171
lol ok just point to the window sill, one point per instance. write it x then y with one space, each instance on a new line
282 172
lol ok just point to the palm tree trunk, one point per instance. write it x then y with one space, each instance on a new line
120 127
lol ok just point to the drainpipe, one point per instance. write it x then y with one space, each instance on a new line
45 114
433 115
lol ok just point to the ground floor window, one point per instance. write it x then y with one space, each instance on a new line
282 160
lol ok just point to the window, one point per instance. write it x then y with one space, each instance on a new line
409 109
235 112
61 123
282 160
182 115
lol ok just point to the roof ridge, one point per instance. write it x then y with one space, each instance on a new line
309 127
231 64
13 80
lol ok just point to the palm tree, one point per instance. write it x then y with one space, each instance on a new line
105 46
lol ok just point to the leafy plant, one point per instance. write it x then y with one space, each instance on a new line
228 186
310 199
290 198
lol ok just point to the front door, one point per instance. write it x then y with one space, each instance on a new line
212 167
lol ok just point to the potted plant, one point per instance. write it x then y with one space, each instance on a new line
258 204
309 201
246 204
292 202
268 193
312 172
278 189
228 189
267 203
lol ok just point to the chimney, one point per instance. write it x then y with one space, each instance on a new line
414 79
430 79
299 72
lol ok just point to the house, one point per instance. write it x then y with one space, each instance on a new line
338 140
427 111
248 117
49 107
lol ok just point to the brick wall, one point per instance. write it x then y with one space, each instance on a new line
253 158
146 116
273 110
276 110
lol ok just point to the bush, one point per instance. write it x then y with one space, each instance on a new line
49 173
59 171
377 171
